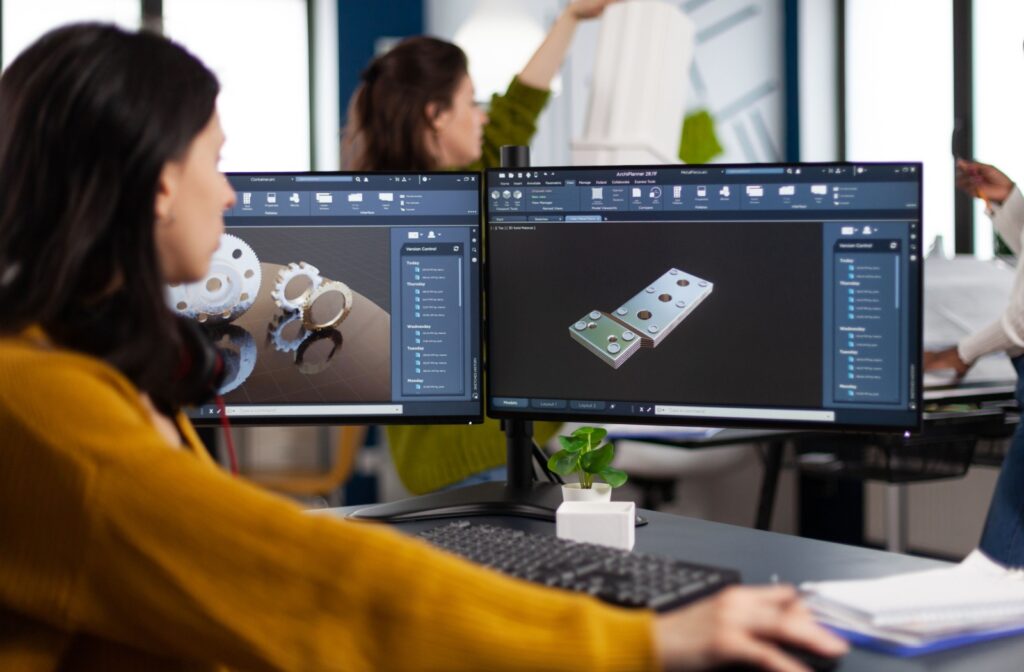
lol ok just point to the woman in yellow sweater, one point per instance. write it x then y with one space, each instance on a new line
122 546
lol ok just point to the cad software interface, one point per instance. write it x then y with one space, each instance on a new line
713 294
346 295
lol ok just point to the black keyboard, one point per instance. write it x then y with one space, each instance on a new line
622 578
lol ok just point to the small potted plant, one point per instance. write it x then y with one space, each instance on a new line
584 453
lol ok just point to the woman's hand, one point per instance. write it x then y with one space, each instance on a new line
742 625
548 58
949 358
983 181
588 9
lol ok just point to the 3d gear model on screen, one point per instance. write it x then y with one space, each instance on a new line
276 332
311 305
644 321
305 276
228 290
323 303
327 306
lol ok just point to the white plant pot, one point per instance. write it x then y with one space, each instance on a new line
598 492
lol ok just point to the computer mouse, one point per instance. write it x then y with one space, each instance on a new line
812 660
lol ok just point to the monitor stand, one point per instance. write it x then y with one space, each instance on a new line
520 495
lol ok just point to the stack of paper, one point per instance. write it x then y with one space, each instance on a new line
921 612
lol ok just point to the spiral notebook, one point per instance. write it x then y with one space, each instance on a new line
921 612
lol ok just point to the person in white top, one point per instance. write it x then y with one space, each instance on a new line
1006 207
1003 536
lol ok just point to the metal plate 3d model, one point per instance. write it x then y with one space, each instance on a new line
610 341
660 307
647 318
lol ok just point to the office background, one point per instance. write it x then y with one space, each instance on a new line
811 80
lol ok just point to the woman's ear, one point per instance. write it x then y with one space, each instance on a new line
166 191
436 117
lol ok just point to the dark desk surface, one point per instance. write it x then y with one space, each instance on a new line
760 555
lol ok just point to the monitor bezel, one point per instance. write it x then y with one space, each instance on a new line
696 421
401 419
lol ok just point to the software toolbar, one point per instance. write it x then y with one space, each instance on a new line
585 196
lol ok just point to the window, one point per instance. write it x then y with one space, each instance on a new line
24 21
899 77
998 98
259 50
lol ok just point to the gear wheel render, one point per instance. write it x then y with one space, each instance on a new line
276 332
327 306
229 289
285 276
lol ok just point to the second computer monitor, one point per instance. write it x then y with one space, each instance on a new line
345 297
771 295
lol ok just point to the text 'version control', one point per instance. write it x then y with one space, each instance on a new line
433 311
866 303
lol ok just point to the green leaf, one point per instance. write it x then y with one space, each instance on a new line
596 460
563 462
613 477
698 142
594 434
572 444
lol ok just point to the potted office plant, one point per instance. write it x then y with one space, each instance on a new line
584 453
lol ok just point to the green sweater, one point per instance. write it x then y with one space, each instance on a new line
430 457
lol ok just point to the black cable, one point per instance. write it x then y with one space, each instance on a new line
538 455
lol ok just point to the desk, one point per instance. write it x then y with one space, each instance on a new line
759 555
774 442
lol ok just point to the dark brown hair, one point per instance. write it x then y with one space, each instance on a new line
387 117
91 115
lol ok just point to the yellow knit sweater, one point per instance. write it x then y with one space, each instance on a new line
118 552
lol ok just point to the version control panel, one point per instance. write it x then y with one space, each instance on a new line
868 281
436 316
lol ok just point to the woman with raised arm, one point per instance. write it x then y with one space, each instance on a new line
415 109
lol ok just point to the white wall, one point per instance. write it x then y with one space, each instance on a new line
818 86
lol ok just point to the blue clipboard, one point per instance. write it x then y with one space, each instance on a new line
931 646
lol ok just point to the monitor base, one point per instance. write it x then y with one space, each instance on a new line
486 499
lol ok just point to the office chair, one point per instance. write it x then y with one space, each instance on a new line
309 482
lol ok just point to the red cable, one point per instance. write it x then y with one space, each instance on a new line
228 442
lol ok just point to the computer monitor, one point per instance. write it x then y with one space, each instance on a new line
346 298
783 295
